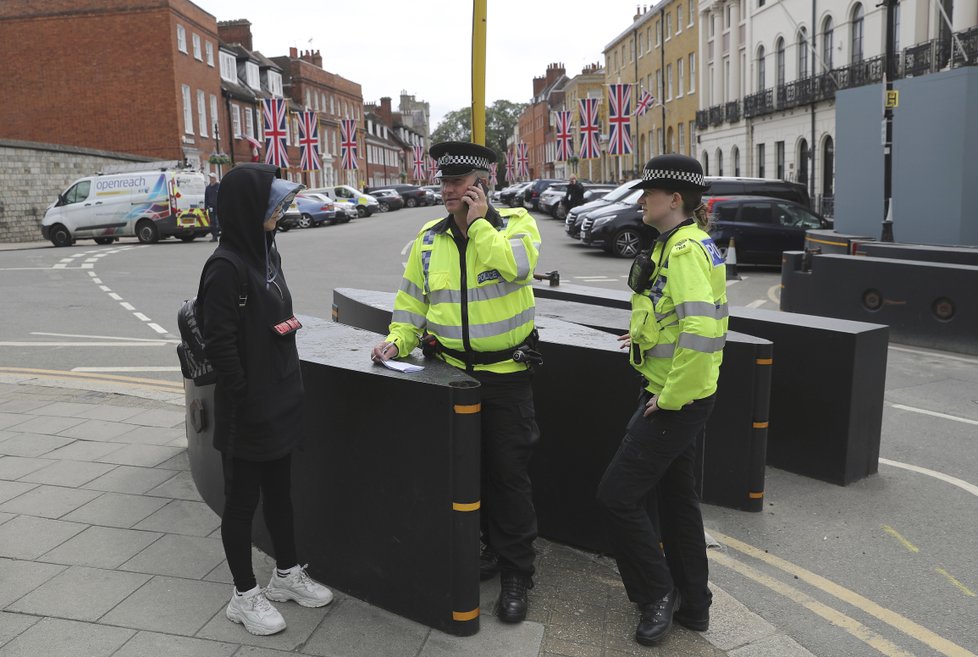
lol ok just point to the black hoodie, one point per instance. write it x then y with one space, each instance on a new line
259 394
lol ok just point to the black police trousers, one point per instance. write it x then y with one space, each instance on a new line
509 431
649 494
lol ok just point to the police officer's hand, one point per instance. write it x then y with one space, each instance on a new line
475 198
651 406
383 351
625 340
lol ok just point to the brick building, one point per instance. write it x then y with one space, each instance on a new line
402 136
535 127
118 75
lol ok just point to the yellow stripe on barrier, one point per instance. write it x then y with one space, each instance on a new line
466 506
465 615
812 239
468 409
764 361
756 496
760 425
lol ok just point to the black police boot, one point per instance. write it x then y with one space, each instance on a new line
656 619
697 620
512 604
488 563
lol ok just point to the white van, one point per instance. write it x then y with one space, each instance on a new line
146 204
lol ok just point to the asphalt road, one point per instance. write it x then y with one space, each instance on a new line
884 566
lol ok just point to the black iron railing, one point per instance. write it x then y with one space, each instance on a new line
702 119
732 111
716 115
759 104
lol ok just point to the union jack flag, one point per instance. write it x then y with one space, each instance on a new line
645 103
492 176
565 145
309 141
619 119
276 132
348 144
510 177
432 170
419 173
523 159
589 128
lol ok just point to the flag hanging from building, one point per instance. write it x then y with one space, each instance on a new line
509 174
276 131
419 163
565 145
493 180
309 141
619 119
432 170
645 103
523 160
348 144
589 128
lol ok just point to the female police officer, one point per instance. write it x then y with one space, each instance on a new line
676 335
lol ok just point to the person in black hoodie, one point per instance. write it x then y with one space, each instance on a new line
258 397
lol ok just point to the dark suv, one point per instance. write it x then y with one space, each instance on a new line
531 195
774 188
763 227
412 194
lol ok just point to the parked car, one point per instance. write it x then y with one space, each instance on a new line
552 197
388 199
763 227
592 192
290 219
412 194
513 195
618 227
318 209
435 193
531 195
365 204
572 224
775 188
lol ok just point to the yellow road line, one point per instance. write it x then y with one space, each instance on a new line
951 578
837 618
90 376
904 542
891 618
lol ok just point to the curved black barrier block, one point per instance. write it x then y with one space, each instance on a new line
953 255
826 399
585 393
829 241
385 483
928 304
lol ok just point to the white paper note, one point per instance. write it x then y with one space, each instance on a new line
401 366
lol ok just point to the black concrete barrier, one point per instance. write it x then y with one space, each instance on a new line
954 255
584 394
927 304
829 241
826 395
385 482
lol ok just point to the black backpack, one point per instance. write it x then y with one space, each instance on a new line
190 351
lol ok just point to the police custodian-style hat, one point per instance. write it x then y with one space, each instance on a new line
460 158
673 172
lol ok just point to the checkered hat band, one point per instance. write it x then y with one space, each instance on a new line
473 161
668 174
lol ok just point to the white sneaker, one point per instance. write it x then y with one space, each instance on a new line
298 586
255 612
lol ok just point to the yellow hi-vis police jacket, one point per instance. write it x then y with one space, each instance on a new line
679 323
477 298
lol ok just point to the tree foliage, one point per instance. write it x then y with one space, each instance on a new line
501 119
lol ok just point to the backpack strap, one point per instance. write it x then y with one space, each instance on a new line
241 273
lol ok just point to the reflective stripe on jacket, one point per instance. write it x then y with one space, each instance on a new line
679 323
487 305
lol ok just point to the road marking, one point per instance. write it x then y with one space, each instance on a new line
141 317
954 481
924 411
407 247
92 274
96 280
104 337
837 618
964 589
774 294
158 343
159 329
127 305
115 296
105 288
757 303
891 618
900 539
920 352
125 369
64 374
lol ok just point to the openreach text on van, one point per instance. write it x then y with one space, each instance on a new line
109 184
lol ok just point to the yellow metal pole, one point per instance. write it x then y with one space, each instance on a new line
479 71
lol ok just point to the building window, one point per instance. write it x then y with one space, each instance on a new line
658 84
658 32
648 38
779 160
679 19
236 121
252 77
681 130
802 53
209 49
229 68
735 155
779 63
681 79
668 26
188 110
760 68
691 10
726 17
275 83
692 137
706 163
669 81
658 140
760 3
760 160
803 157
692 72
719 156
249 123
202 113
857 34
712 20
198 55
181 38
214 116
827 39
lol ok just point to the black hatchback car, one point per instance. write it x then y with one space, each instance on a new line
763 227
412 194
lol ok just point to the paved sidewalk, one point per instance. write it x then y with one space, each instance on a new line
106 549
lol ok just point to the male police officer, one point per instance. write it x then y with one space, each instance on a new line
466 287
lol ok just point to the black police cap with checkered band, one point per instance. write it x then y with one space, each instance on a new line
673 172
460 158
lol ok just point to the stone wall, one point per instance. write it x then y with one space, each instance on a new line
31 177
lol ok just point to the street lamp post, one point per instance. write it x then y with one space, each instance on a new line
889 102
